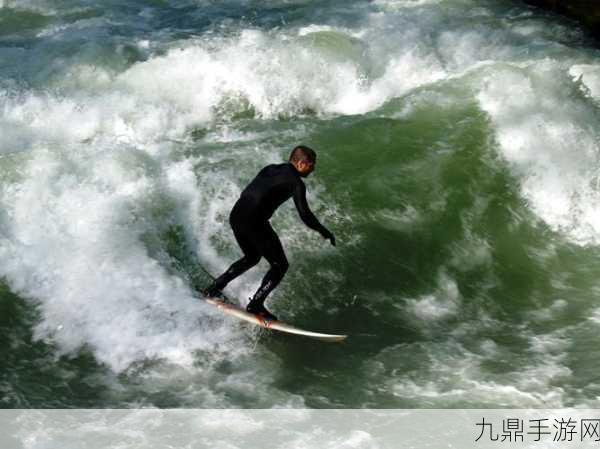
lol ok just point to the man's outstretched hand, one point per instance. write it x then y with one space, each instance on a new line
329 236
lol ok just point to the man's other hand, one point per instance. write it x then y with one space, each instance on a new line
329 236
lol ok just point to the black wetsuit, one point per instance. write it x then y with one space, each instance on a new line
249 220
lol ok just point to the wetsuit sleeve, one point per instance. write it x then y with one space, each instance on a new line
305 213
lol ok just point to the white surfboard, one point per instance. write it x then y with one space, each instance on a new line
240 313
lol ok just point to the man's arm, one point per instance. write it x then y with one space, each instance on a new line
306 214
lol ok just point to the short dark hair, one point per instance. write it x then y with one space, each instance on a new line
303 153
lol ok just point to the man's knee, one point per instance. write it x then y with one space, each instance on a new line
281 266
252 260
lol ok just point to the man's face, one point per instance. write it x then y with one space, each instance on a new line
305 168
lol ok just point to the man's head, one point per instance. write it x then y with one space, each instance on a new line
304 159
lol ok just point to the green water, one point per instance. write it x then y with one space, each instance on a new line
457 167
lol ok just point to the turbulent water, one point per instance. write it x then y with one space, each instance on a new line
458 146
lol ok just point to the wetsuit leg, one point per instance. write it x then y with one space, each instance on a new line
270 248
245 234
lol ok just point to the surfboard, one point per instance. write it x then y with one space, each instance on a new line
280 326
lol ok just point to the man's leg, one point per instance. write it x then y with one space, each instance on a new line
236 269
251 257
270 247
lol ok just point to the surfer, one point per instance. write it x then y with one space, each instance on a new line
249 220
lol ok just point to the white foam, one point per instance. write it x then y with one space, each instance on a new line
310 29
470 253
555 310
74 243
42 6
405 220
439 305
549 137
589 74
450 374
595 316
398 4
273 74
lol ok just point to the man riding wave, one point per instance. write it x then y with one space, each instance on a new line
249 220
